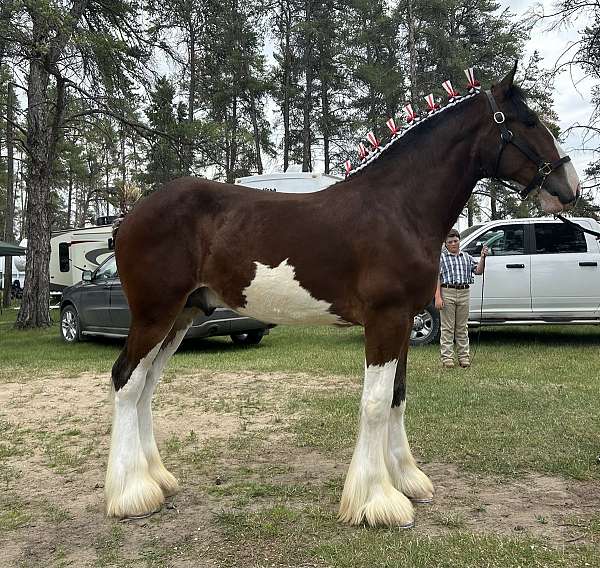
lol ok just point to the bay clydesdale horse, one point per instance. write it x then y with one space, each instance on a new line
364 251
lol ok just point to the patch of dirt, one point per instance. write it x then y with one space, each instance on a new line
542 506
244 418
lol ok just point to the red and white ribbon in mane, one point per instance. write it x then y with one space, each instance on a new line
472 82
410 113
450 90
367 156
373 140
392 126
362 151
432 106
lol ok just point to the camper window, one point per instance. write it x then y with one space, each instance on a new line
63 257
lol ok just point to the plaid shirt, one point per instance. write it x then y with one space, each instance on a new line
456 269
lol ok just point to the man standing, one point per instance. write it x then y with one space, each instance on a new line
452 298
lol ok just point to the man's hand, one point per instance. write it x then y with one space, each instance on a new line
439 302
485 251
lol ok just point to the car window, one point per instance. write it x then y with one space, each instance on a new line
552 238
502 241
107 271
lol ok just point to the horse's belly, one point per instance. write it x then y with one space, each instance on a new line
275 296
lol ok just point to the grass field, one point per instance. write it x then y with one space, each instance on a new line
260 439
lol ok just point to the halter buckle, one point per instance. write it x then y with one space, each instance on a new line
499 117
546 168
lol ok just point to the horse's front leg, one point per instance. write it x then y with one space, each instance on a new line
406 476
369 493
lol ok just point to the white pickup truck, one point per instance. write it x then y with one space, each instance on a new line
539 271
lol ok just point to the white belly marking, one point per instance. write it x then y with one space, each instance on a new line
275 296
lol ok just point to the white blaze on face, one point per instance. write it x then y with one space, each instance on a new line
275 296
569 168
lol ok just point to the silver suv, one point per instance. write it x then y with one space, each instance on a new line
539 271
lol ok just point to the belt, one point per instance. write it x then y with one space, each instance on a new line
456 286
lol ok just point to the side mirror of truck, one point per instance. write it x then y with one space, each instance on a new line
86 275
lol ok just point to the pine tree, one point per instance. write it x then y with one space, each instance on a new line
229 95
163 159
94 49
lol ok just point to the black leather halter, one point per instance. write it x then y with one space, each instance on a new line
545 168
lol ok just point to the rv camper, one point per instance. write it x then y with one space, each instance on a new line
76 250
18 268
86 248
289 182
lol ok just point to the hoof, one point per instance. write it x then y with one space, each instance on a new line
139 497
165 479
421 501
138 517
385 507
414 484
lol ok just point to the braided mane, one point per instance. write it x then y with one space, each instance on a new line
416 123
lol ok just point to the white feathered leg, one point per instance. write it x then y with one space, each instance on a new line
129 488
368 491
406 476
156 469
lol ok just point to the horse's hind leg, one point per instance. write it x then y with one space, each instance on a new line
129 488
156 469
406 476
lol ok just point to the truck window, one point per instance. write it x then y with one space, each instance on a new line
554 238
503 240
63 257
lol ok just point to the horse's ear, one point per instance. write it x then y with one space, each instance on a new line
506 83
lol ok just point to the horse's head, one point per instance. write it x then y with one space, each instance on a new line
523 150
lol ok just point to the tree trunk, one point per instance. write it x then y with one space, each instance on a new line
70 197
326 123
10 202
106 184
470 211
256 130
233 146
494 202
412 52
43 135
287 82
189 152
34 310
123 157
308 70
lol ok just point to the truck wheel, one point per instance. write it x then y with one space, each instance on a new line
426 327
70 327
253 337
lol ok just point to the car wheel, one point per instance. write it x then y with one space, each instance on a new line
426 326
70 327
248 338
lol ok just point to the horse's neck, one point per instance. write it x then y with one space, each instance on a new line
432 175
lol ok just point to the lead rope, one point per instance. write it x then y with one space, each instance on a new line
578 226
480 316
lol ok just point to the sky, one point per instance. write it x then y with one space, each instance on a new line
572 90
